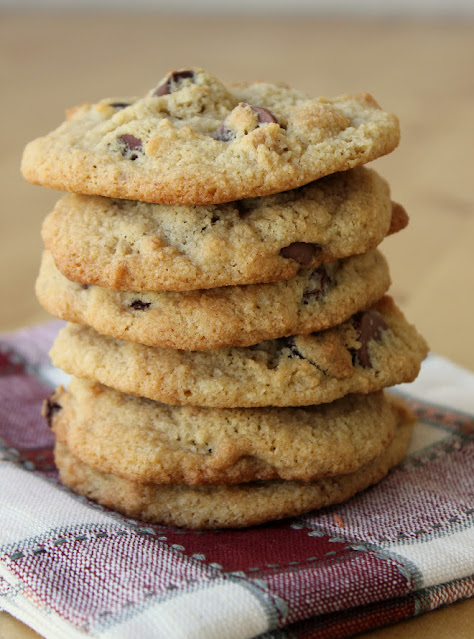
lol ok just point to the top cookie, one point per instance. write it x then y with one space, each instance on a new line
193 140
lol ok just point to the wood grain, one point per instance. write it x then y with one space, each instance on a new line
420 70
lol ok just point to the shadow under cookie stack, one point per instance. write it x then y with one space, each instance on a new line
229 337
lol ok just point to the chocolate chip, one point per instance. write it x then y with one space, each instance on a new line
224 133
290 342
119 105
172 82
369 326
131 144
264 115
301 252
138 305
50 408
318 283
85 286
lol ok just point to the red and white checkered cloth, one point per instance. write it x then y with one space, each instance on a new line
69 568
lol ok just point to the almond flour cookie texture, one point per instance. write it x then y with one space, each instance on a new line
227 316
229 336
193 140
136 246
220 506
374 349
147 441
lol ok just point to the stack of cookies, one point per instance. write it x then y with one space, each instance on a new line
229 337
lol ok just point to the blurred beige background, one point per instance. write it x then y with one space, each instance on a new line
420 68
424 8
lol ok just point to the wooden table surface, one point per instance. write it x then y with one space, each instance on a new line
420 70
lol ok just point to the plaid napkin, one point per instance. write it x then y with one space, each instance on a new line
69 568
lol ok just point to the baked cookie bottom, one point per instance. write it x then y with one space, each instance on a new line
207 507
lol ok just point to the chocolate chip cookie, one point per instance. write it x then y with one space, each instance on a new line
217 506
227 316
136 246
148 441
192 140
376 348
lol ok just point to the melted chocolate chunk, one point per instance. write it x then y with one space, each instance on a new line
318 283
369 326
138 305
172 82
301 252
264 115
131 143
119 105
50 408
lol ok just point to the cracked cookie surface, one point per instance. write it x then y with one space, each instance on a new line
200 142
374 349
136 246
227 316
